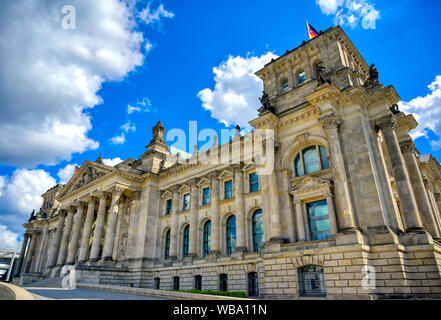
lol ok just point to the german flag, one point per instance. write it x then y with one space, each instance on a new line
312 33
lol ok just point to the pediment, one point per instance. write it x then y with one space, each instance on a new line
88 172
310 183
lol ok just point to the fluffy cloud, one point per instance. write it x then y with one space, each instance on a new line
66 173
129 126
427 111
112 162
121 139
149 16
50 76
141 106
351 12
234 99
8 239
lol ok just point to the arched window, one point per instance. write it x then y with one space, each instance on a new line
284 84
312 281
167 245
206 245
310 160
301 77
185 241
231 234
257 230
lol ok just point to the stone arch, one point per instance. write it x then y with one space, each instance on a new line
248 227
307 260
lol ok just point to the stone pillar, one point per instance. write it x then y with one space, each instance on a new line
99 225
301 236
286 207
419 189
22 254
194 203
73 244
173 254
30 253
345 215
84 248
240 210
57 239
215 224
133 224
65 239
331 214
274 208
401 176
112 219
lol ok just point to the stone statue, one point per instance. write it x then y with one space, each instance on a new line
373 77
266 106
394 109
320 71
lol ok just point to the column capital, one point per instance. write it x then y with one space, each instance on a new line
193 182
213 175
237 168
386 121
117 191
135 195
62 213
330 121
407 146
175 189
102 195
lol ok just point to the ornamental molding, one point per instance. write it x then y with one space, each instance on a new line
310 186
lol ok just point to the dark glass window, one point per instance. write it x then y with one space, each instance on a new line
198 282
301 76
223 282
186 204
231 234
157 283
254 182
228 189
312 281
167 245
168 207
206 247
175 283
284 84
319 225
253 285
185 241
205 196
257 230
310 160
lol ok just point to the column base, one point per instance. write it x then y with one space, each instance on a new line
381 235
416 238
349 236
273 245
415 230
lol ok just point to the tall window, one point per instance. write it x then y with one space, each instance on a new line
257 228
253 285
254 182
319 225
157 283
231 234
310 160
312 281
185 241
168 207
284 84
198 282
228 189
206 196
301 77
186 204
206 246
223 282
167 245
175 283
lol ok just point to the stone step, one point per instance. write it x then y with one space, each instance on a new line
46 283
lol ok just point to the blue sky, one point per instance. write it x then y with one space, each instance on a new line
158 57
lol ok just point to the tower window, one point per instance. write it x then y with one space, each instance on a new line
301 77
284 84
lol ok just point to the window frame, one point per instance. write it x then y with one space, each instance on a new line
185 241
253 284
300 157
186 205
255 183
223 282
228 191
204 196
206 239
198 282
168 210
301 77
167 245
230 239
284 84
322 282
176 283
256 247
314 236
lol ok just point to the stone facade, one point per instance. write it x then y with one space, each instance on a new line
341 146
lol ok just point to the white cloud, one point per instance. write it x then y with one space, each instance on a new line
66 173
50 76
112 162
351 12
8 239
141 106
121 139
234 99
427 111
129 126
149 16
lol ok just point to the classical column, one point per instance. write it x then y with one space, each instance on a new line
30 253
240 209
194 202
84 248
274 208
73 244
112 219
301 236
401 176
419 189
99 225
22 254
173 254
57 239
65 239
345 216
133 224
331 214
215 223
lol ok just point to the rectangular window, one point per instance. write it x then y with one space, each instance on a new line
253 285
186 204
228 189
223 282
319 224
254 182
205 196
175 283
198 282
157 283
302 77
168 207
